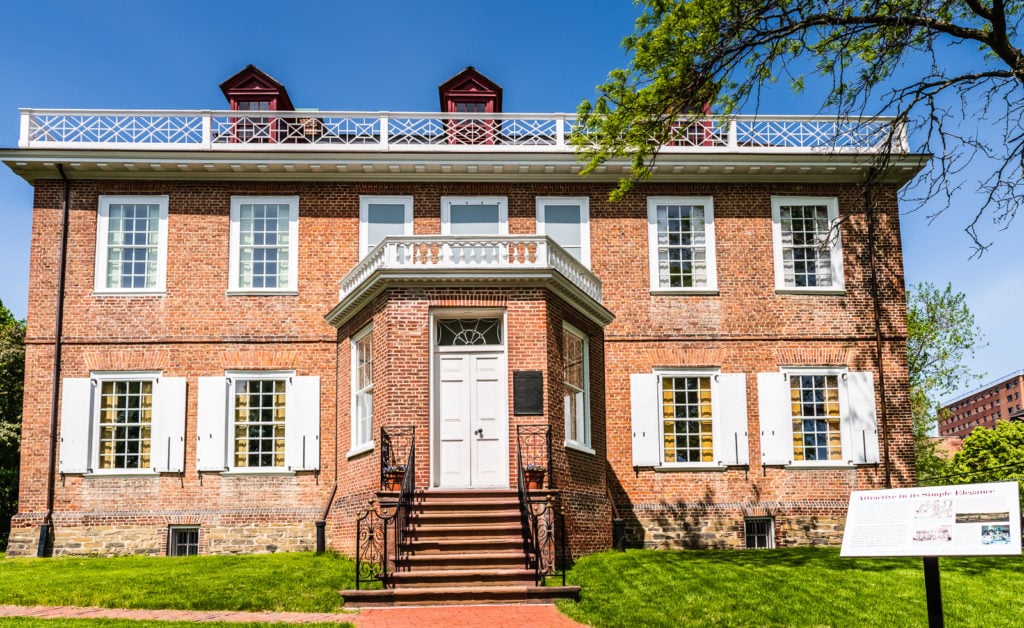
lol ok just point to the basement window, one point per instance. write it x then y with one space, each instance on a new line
759 532
183 541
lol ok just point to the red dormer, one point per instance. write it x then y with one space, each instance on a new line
252 89
470 92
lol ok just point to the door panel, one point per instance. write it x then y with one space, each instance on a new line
472 420
454 420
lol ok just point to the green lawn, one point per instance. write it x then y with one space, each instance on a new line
788 587
303 582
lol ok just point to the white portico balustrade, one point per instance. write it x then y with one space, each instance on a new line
494 256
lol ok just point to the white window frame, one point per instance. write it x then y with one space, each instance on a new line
500 201
716 412
364 217
583 427
707 203
360 447
94 422
842 378
584 204
231 377
102 252
835 244
293 244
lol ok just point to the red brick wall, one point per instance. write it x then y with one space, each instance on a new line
196 329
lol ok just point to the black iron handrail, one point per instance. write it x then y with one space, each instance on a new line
381 528
542 518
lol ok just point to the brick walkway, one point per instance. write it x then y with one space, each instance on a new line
507 616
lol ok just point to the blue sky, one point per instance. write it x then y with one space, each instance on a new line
372 56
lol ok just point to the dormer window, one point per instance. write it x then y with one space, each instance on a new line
254 90
470 92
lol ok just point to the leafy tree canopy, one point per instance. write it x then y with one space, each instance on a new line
951 68
941 337
12 378
991 455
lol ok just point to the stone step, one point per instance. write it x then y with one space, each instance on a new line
477 577
464 531
508 559
486 544
430 596
511 517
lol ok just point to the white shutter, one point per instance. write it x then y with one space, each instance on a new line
211 424
75 414
302 424
644 403
731 446
862 429
776 418
168 432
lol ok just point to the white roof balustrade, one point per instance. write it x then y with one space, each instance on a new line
292 131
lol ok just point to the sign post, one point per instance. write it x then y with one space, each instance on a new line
934 521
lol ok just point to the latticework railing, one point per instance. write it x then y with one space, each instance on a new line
381 528
457 132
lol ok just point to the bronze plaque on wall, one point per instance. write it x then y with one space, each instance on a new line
528 393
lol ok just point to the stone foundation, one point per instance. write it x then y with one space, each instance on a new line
713 526
148 535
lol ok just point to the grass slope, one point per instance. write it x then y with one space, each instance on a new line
788 587
301 582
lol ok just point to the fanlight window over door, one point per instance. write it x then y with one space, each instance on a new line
464 332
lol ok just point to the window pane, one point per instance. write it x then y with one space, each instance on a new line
574 382
562 224
474 219
469 331
814 403
382 220
806 250
682 246
687 417
263 236
259 422
132 245
125 417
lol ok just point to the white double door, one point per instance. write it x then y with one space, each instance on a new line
471 419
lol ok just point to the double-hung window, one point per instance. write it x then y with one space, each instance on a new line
122 422
817 417
131 245
382 216
566 220
362 391
689 418
808 249
253 421
474 215
681 234
576 386
264 244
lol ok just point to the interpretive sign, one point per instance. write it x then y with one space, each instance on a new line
960 520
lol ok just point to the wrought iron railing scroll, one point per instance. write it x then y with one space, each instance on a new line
381 529
542 517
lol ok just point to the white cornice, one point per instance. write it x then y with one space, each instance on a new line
32 164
